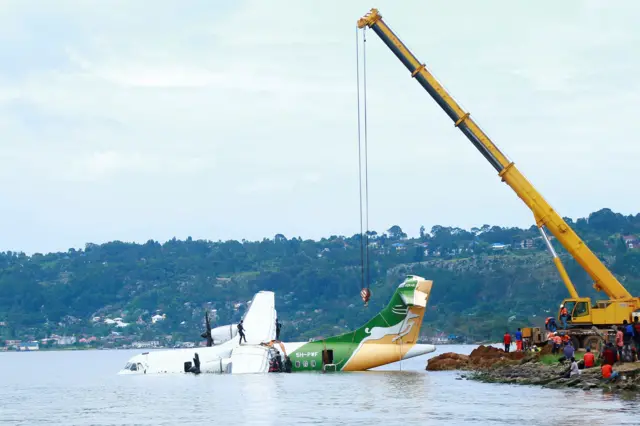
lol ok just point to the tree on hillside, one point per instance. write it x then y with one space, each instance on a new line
395 233
606 221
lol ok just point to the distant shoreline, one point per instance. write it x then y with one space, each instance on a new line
71 348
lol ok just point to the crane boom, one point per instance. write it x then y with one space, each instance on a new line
543 213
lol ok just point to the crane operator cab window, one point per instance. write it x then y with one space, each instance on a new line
581 310
569 305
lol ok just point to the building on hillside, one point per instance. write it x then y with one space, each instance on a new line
29 346
498 246
631 241
65 340
150 344
399 246
525 244
12 343
158 317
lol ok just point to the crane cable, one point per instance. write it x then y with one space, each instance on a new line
365 293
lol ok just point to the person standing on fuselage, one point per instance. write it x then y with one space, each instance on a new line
241 333
278 326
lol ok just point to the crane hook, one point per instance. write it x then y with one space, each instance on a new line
365 293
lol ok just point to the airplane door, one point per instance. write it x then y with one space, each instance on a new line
327 358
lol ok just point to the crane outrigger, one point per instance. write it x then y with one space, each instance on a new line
584 316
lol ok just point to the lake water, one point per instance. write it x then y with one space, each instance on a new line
82 388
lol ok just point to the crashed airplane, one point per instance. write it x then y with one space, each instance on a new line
388 337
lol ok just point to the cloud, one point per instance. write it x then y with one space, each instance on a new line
168 117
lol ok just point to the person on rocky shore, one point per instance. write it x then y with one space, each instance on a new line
507 341
619 342
628 332
608 354
573 370
636 336
519 341
589 359
608 373
557 344
568 352
628 354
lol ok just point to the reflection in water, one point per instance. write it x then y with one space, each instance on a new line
258 399
82 388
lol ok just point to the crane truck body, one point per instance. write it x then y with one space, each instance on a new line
589 322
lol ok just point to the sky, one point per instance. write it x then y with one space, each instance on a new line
237 119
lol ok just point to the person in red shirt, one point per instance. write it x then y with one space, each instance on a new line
608 373
606 370
589 359
507 341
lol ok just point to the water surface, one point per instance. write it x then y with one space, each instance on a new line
82 388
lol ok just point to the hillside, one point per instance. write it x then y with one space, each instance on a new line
485 279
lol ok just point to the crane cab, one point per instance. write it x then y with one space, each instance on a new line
579 310
603 313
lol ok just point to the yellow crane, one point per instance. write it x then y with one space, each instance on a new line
583 315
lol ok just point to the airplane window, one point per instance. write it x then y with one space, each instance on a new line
133 367
126 367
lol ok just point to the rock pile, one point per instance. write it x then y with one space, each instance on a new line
482 357
550 376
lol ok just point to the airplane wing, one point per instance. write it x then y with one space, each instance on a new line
259 327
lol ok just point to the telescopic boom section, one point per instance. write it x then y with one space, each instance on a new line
544 214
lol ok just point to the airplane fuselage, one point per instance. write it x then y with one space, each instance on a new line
390 336
305 356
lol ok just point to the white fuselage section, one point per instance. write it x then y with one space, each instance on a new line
228 357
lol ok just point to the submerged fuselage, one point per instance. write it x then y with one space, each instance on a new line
388 337
305 356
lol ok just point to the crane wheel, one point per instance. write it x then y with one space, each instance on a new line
593 342
575 341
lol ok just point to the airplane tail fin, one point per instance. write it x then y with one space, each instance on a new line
401 319
392 334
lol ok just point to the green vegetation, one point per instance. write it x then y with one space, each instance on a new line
550 359
479 291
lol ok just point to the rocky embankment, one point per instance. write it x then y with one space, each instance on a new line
482 357
492 365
